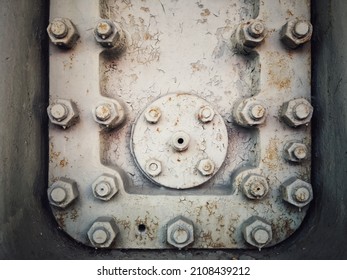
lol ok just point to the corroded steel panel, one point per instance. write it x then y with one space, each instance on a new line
215 55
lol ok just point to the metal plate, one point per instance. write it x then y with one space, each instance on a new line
175 47
188 134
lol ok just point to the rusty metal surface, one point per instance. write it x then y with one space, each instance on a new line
174 47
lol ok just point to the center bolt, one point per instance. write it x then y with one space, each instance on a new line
180 141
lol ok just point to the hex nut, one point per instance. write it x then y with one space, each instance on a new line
63 112
109 35
296 33
250 113
103 232
153 167
257 232
295 152
180 232
152 115
206 114
206 167
62 193
297 192
249 35
63 33
255 186
180 141
105 187
109 114
297 112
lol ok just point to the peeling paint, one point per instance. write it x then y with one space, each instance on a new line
178 48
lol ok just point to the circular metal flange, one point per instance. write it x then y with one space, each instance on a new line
179 141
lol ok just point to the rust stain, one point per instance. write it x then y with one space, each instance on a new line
147 36
61 217
201 21
284 226
290 13
211 207
198 66
74 215
145 9
63 163
68 64
205 13
151 228
279 71
220 220
198 210
210 242
271 158
53 155
124 223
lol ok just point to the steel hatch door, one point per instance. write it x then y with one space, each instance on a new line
180 123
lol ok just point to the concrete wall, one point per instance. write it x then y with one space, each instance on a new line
27 228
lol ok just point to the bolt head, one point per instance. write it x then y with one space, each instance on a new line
257 232
297 112
109 35
63 112
296 33
59 111
63 33
257 112
206 114
260 236
104 29
62 193
206 167
255 186
106 186
103 189
58 195
153 167
100 236
180 141
103 232
152 115
295 152
59 29
180 232
109 114
256 29
103 112
250 35
180 235
297 192
250 113
302 195
302 111
301 29
300 152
